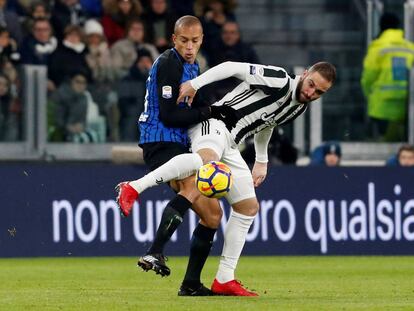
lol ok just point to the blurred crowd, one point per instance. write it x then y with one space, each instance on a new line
98 54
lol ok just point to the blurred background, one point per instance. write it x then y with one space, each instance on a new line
72 72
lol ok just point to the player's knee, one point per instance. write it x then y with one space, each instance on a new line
208 155
249 207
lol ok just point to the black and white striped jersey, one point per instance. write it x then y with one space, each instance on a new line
264 99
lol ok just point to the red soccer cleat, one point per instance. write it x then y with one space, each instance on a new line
231 288
126 198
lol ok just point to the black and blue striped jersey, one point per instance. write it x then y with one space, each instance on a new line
162 119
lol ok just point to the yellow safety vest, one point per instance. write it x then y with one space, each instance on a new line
385 75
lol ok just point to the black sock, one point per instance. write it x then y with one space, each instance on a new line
171 218
200 248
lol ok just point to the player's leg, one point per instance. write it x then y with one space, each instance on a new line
171 218
210 213
245 206
188 162
178 165
168 161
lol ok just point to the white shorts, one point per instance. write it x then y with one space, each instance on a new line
214 135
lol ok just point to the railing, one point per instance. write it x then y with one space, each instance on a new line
307 132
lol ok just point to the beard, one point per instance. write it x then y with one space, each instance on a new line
299 96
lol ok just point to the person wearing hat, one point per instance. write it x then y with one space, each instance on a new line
385 80
131 95
98 58
328 154
98 55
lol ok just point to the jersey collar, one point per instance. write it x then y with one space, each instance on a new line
182 58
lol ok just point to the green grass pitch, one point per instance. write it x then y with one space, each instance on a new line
284 283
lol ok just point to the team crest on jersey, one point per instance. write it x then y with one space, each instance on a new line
252 70
166 91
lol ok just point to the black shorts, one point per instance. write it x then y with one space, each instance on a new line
156 154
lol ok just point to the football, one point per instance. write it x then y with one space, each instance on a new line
214 179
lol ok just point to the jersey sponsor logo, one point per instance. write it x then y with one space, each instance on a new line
159 181
268 118
166 91
252 70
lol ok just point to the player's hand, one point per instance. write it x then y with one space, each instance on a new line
187 93
259 173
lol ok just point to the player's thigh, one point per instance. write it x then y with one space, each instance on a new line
209 211
243 187
208 139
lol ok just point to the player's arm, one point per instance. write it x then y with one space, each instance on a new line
168 82
264 77
261 142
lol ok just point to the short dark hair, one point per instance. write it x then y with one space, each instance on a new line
405 147
326 70
186 21
389 21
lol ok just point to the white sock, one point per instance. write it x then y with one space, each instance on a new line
180 164
234 238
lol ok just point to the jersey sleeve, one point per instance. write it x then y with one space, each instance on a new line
261 142
168 84
256 75
266 76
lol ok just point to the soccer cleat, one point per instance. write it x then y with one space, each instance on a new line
126 198
154 262
199 290
231 288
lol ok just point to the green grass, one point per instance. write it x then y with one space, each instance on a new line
284 283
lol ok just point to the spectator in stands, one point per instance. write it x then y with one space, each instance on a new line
65 13
93 8
69 57
76 116
117 15
8 48
9 112
131 94
38 9
98 55
182 7
404 157
385 80
99 61
37 47
124 52
229 48
10 21
213 15
159 24
328 154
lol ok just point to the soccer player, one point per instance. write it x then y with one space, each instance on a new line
267 97
163 127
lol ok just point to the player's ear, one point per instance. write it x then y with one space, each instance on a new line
174 38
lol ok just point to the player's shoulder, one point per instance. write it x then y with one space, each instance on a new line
270 71
169 59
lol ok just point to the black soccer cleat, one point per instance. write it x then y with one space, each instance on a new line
199 290
155 262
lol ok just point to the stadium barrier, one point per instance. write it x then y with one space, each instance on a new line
69 210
